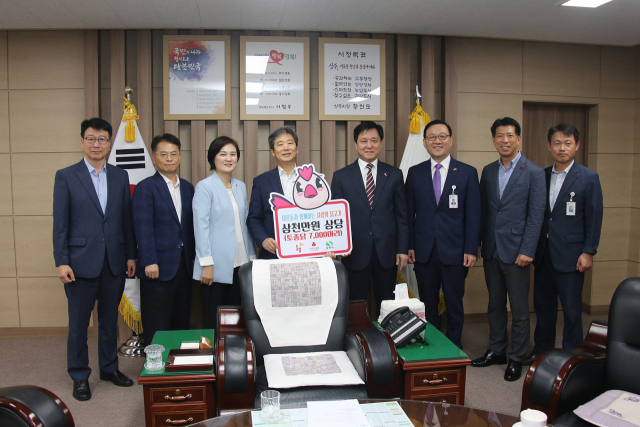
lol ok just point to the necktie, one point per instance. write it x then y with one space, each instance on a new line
436 183
371 186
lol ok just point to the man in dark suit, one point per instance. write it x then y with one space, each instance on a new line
283 143
569 239
443 204
379 232
94 249
163 222
512 196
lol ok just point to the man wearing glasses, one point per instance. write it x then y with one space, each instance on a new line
94 249
163 222
443 203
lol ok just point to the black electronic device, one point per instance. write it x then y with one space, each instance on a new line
403 325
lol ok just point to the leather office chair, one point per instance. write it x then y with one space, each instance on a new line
242 344
561 380
31 406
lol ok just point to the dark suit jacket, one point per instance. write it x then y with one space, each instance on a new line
513 222
570 236
81 232
456 231
386 220
260 218
159 233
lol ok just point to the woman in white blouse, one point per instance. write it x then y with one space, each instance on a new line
223 242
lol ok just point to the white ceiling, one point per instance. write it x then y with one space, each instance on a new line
614 23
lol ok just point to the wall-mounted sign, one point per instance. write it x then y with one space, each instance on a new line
274 78
307 221
197 77
352 79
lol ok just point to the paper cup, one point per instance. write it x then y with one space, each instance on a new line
533 418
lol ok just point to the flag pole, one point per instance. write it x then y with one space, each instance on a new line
134 346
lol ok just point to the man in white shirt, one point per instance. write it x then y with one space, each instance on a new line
568 240
163 223
376 195
283 143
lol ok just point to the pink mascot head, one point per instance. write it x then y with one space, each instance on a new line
310 190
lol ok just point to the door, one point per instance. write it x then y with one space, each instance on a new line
537 119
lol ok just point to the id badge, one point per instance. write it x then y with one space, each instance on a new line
453 201
571 208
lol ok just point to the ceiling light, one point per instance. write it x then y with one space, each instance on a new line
376 91
357 99
585 3
253 101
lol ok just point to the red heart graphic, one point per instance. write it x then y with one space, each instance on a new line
276 56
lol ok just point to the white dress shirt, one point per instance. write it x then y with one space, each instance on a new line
557 179
364 171
287 181
241 251
444 170
174 190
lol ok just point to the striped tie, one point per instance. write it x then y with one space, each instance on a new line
371 186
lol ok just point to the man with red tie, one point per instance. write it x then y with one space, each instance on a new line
376 196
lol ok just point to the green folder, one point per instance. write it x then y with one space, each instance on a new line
171 340
439 347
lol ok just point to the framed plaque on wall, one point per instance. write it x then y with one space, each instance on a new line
274 78
352 79
197 77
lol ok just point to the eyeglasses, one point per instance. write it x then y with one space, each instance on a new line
92 140
432 137
164 155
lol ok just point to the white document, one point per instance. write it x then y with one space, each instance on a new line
189 345
385 414
290 418
193 360
337 413
625 407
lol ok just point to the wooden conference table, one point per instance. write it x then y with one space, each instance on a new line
421 414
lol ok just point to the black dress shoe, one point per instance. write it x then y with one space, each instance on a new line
118 378
489 358
513 371
81 390
529 359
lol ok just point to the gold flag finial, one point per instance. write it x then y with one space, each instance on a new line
130 114
127 92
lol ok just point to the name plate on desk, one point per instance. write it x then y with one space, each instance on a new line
181 360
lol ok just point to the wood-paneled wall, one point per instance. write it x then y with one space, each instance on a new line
495 78
42 102
51 80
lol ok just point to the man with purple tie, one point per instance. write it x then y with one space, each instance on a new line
443 204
